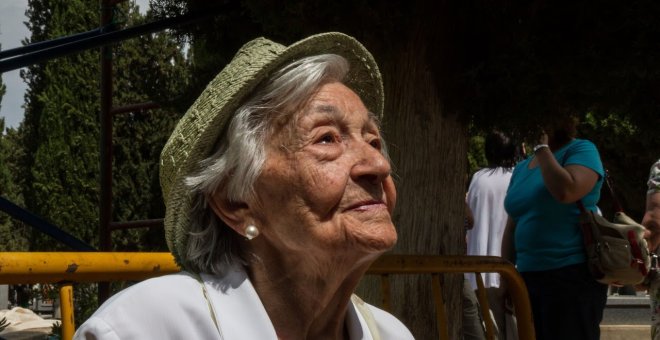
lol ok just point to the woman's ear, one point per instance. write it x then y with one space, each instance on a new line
235 214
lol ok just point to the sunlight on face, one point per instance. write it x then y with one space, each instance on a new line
326 187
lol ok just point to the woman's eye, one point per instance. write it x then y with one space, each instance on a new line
376 144
327 139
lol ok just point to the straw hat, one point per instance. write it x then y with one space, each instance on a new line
204 123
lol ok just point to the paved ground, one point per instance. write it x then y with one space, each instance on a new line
625 332
626 317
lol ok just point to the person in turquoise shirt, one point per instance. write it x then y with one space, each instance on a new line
543 237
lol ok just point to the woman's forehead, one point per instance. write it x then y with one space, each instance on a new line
330 115
333 103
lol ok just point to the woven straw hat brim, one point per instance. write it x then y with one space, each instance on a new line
204 123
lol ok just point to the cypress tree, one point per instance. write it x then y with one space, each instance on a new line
148 68
13 234
61 127
61 124
60 135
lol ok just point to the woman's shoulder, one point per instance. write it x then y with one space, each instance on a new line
148 293
492 172
581 144
136 310
389 326
521 166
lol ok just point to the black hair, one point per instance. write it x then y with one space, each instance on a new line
500 150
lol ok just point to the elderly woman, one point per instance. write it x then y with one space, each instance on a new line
279 197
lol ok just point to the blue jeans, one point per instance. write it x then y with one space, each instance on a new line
567 303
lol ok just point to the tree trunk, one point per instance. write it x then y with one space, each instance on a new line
428 148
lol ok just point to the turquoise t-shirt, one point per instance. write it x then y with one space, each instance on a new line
547 234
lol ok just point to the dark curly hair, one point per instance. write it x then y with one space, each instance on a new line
500 150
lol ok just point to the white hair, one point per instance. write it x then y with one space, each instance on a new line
240 154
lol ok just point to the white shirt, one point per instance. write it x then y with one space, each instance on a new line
486 201
174 307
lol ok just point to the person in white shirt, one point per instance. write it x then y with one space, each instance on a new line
279 195
485 199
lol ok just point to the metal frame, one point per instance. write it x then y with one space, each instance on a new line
103 37
66 269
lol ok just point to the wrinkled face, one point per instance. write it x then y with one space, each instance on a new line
325 185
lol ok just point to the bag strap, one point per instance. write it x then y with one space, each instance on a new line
588 230
609 182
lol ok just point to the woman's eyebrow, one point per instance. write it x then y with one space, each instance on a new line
329 109
325 111
331 112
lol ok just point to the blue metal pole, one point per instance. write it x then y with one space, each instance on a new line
42 225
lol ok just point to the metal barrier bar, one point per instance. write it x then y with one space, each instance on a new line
420 264
89 41
440 309
43 226
66 309
386 292
485 308
66 268
25 267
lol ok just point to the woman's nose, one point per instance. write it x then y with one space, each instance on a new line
371 164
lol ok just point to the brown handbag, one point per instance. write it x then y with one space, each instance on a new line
617 252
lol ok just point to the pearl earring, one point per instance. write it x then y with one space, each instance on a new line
251 232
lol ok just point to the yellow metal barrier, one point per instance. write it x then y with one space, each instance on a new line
18 267
421 264
66 309
66 268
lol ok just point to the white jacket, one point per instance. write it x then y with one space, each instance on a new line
174 307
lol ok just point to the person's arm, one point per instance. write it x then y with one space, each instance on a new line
651 220
508 246
566 184
469 218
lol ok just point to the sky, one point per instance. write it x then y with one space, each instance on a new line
12 32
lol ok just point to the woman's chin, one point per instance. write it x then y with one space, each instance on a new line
376 243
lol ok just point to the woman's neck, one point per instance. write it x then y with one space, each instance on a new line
558 143
306 299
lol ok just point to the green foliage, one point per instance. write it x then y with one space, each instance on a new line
86 301
627 149
60 134
55 151
13 234
55 331
160 73
476 155
64 168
